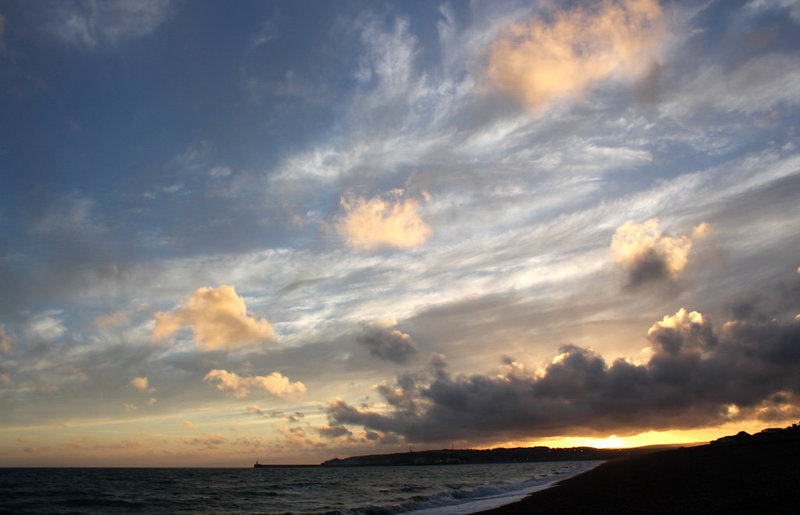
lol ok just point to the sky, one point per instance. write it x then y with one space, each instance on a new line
294 231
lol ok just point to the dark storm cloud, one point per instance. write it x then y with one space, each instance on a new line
387 343
694 375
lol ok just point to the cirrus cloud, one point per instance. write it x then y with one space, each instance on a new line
91 24
545 60
274 384
218 319
387 220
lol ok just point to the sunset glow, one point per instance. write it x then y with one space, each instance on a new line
304 230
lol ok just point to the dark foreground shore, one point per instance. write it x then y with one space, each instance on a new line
752 477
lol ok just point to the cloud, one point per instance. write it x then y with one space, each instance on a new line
93 24
6 342
129 407
141 384
45 327
254 410
209 441
269 31
218 319
765 84
6 379
385 342
383 221
648 254
545 60
275 384
696 376
219 172
116 319
682 332
189 424
793 6
70 214
334 432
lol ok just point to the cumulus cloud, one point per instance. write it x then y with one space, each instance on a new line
696 376
218 319
648 254
142 384
274 384
385 342
383 221
549 59
686 332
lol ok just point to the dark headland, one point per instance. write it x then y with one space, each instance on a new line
473 456
736 474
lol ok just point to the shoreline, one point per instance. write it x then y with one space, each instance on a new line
750 477
503 498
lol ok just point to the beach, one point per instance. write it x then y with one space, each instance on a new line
749 477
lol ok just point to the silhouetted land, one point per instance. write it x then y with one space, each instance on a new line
473 456
736 474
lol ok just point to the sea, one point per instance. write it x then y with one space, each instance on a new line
441 489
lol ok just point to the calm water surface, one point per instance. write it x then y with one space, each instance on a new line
437 489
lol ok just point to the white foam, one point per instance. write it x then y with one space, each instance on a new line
488 502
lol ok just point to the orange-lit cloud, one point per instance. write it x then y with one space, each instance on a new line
383 221
680 321
218 319
6 341
141 384
545 60
649 254
275 384
694 377
682 333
